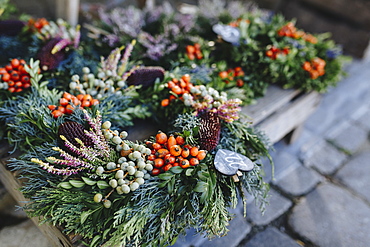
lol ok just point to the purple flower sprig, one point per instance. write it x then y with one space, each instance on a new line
51 169
203 99
81 157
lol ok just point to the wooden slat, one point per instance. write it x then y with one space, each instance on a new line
289 117
12 185
273 100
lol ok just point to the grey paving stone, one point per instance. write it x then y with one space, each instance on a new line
278 205
299 181
324 157
330 216
25 234
362 117
284 163
356 173
271 237
348 136
238 229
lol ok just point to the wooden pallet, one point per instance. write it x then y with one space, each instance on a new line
278 114
282 113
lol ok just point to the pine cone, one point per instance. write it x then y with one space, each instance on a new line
210 130
146 76
73 130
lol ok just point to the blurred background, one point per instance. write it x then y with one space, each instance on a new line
348 21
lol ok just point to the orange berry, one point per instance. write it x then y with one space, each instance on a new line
151 157
56 113
80 97
161 137
94 102
18 84
156 146
5 77
26 85
52 107
14 63
85 103
185 152
190 49
15 76
186 78
182 83
158 162
165 102
197 46
62 109
239 83
180 140
69 109
11 89
63 101
177 90
307 66
87 97
175 150
67 96
167 167
194 161
191 56
171 141
201 154
194 151
169 159
185 164
156 172
161 152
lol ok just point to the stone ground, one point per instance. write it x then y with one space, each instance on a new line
319 193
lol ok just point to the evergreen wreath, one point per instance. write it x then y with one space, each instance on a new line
82 174
81 168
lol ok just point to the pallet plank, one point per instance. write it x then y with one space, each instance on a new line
12 185
273 100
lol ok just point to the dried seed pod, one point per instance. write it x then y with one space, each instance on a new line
73 130
146 76
49 61
209 131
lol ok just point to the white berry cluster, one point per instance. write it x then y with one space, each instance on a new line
97 86
204 97
129 171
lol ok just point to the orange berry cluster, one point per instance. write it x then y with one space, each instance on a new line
68 102
15 75
289 30
273 52
237 22
170 151
194 51
178 87
316 67
232 74
37 24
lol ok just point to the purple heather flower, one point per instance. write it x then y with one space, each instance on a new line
111 62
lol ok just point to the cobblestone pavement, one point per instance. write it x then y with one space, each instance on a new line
319 193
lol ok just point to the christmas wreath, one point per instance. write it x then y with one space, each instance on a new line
130 130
